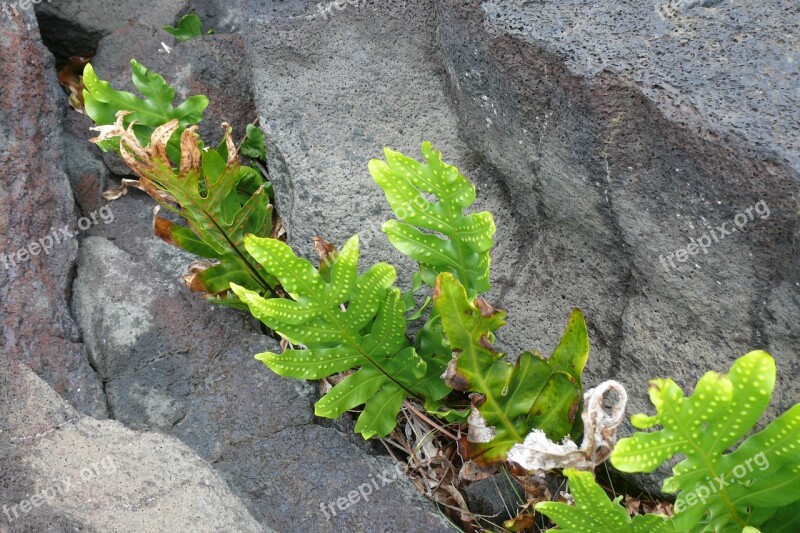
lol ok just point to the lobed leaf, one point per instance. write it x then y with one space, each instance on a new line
103 103
452 241
593 512
255 143
188 28
343 321
718 489
533 393
204 192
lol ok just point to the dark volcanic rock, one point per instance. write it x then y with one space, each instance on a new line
139 481
88 175
606 140
74 27
172 362
37 328
620 148
62 471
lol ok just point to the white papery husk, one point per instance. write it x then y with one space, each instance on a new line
537 452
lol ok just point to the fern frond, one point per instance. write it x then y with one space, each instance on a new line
204 191
437 234
720 490
103 103
534 393
593 512
342 322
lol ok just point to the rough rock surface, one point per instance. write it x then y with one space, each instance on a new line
35 197
88 175
602 140
63 471
135 481
169 363
622 142
597 153
75 27
172 362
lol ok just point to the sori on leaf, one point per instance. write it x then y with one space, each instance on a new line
723 484
220 199
337 321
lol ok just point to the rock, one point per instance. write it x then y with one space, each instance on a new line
621 141
600 153
60 470
36 200
88 176
167 360
333 90
497 497
75 28
173 362
219 16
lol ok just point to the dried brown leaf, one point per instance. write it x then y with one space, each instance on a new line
632 504
278 231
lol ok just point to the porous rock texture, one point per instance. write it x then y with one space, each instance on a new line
196 417
35 199
625 131
75 27
604 135
61 469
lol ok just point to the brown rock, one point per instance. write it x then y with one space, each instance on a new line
35 198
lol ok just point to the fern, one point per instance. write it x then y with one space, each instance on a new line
342 322
533 393
593 512
103 103
719 490
463 250
204 192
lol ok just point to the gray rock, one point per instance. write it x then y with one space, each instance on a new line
622 142
88 176
165 359
497 497
62 471
171 361
75 27
333 90
603 140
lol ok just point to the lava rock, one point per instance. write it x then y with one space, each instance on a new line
38 221
626 142
74 28
172 362
63 471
